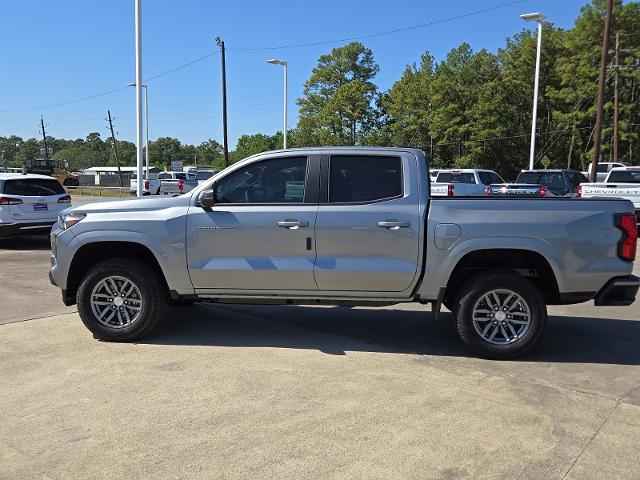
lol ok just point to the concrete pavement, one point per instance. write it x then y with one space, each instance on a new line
308 392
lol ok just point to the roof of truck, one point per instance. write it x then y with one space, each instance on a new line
27 176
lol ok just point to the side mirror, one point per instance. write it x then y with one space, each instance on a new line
207 198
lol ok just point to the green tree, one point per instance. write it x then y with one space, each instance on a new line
337 107
248 145
165 149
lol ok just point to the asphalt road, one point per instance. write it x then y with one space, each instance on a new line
308 392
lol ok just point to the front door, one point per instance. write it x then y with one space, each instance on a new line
259 233
369 224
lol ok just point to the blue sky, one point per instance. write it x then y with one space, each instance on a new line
55 52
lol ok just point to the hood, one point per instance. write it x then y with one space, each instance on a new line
134 204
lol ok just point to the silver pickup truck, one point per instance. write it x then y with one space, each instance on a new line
351 226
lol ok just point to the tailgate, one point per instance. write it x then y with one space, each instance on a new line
38 208
516 189
628 191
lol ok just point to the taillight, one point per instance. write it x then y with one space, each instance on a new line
487 191
450 190
579 195
65 199
10 201
543 191
146 184
180 185
628 243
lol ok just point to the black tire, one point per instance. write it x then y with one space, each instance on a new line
151 291
474 290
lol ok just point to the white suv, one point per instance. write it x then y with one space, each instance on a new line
30 203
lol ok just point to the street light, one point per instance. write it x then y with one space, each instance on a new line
535 17
146 123
138 86
276 61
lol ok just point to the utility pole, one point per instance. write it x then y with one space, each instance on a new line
601 86
115 149
44 138
224 102
616 112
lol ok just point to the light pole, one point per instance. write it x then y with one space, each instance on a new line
146 123
138 85
275 61
535 17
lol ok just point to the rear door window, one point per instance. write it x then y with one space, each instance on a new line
364 178
33 187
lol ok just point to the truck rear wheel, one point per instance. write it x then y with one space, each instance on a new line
121 299
500 315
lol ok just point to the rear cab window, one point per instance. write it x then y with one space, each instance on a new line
456 177
629 176
488 178
550 179
32 187
364 178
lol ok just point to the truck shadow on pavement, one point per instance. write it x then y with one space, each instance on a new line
337 330
25 242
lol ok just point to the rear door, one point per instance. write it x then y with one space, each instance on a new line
40 198
369 223
259 235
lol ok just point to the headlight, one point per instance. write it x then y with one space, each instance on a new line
68 220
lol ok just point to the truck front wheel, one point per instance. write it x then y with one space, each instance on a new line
500 315
121 299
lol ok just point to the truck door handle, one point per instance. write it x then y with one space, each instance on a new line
393 224
292 224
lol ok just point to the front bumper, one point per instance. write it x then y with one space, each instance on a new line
26 228
619 291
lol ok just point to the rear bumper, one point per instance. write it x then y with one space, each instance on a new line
619 291
26 228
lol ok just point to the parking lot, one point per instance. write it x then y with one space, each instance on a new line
307 392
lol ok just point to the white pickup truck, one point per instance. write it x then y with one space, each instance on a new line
176 183
603 170
621 182
465 182
166 183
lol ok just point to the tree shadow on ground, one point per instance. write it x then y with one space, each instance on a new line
336 330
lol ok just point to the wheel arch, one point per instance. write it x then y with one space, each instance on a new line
94 252
525 262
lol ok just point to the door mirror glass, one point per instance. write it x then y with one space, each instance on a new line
207 198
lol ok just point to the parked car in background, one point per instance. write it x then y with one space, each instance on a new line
542 183
603 169
465 182
30 203
351 226
621 182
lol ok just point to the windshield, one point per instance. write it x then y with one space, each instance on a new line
628 176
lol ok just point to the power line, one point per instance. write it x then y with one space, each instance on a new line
51 105
379 34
